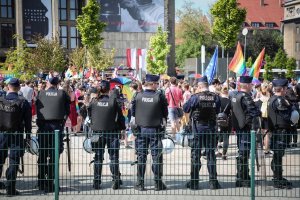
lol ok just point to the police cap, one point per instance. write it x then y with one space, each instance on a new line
14 82
203 79
54 80
105 85
152 78
246 79
280 83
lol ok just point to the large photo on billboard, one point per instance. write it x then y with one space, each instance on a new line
132 15
37 19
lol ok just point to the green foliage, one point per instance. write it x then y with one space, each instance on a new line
272 40
89 25
20 59
228 18
193 30
249 62
157 53
48 55
280 60
100 58
290 66
267 75
76 58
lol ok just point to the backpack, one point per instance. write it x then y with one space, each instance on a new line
222 118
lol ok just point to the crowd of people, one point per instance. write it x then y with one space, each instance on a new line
92 106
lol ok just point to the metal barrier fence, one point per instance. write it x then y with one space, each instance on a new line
176 171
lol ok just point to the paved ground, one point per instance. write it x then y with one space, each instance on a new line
77 184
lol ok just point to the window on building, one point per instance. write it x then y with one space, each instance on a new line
7 32
64 36
255 24
69 11
298 64
297 47
7 9
298 30
270 24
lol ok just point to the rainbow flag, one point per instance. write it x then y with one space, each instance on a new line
254 71
238 64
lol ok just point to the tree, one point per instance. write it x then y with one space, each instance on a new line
191 31
19 58
267 75
249 62
76 58
272 40
280 59
291 66
227 22
100 58
157 53
89 25
48 54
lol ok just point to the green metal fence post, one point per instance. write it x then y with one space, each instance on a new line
56 178
252 152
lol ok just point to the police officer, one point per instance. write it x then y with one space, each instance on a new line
15 117
53 108
106 120
149 111
245 116
203 108
279 121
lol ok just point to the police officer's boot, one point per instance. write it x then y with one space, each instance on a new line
193 184
117 182
97 175
11 190
242 178
2 186
139 185
214 184
159 185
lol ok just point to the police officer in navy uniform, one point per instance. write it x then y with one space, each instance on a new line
245 116
203 107
53 108
280 124
149 111
107 121
15 117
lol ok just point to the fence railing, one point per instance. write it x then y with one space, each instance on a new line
75 176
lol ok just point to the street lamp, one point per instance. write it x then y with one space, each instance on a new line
245 32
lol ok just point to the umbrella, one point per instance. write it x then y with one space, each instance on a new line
121 80
7 80
195 76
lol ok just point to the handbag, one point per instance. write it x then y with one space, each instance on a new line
179 110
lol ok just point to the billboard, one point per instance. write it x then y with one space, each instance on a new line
132 15
37 19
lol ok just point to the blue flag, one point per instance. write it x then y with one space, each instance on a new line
211 69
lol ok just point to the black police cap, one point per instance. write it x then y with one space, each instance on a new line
203 79
246 79
14 82
53 80
105 84
280 83
151 78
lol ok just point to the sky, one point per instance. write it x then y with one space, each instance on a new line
204 5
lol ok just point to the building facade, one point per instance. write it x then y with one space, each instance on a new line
262 14
126 28
292 29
